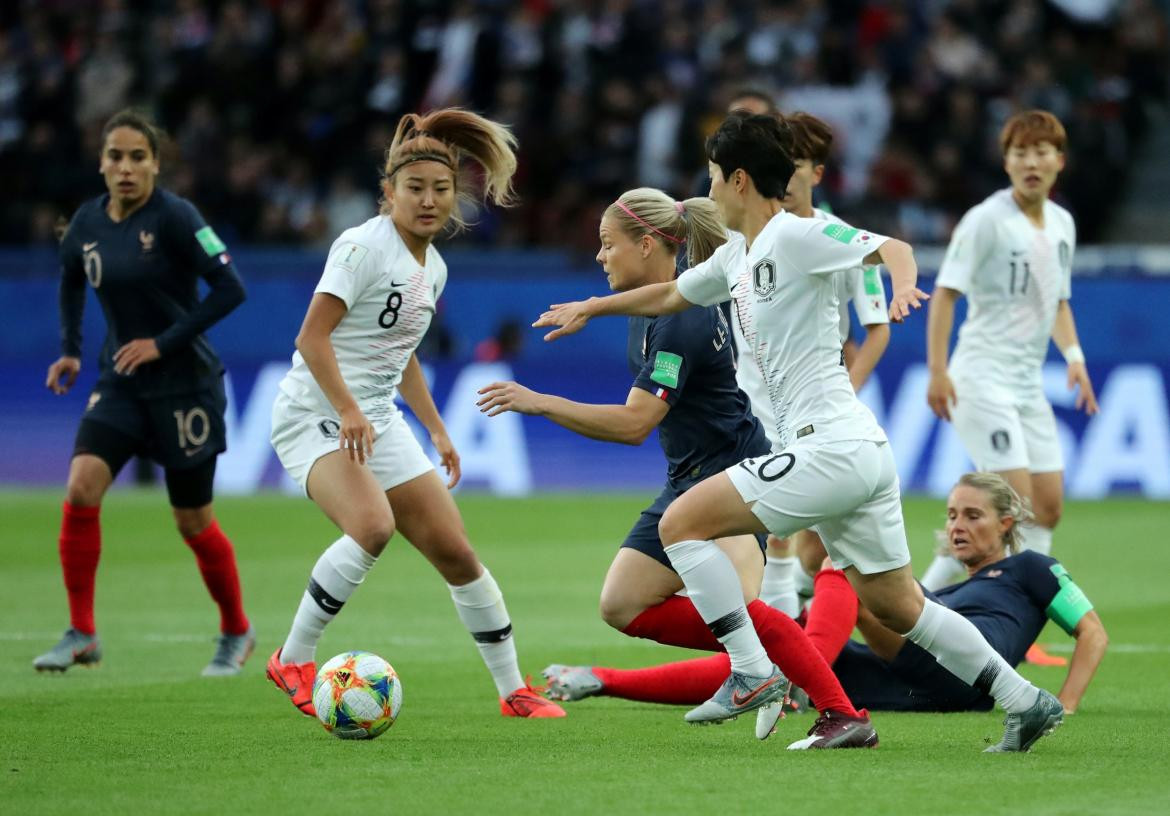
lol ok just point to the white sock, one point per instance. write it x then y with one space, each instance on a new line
778 589
963 651
805 586
716 592
942 572
335 576
1036 538
480 605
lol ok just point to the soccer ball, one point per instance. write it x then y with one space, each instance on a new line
357 695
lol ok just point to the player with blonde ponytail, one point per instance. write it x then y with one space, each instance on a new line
337 430
684 385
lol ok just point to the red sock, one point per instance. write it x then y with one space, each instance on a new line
675 622
80 546
833 614
687 682
786 644
217 563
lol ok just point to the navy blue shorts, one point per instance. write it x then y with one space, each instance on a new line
643 536
180 432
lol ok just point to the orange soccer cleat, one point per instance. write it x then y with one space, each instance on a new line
526 701
295 680
1038 657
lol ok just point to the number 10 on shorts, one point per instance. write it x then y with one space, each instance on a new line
192 426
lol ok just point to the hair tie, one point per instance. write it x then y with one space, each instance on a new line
682 208
648 226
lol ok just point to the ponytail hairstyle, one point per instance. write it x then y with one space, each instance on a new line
694 222
1005 501
449 136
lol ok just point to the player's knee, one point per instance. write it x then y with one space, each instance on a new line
674 527
1047 514
84 490
615 612
191 523
454 558
372 532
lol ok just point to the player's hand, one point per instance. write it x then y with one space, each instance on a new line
903 301
62 374
507 396
1078 377
135 353
448 456
356 436
940 395
570 317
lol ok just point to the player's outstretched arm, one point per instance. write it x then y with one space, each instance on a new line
898 256
651 300
1092 642
940 394
1064 334
628 424
414 391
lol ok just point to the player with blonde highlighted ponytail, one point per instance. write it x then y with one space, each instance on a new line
335 425
684 385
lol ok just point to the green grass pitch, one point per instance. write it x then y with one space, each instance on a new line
143 733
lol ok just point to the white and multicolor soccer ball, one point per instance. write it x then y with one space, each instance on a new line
357 695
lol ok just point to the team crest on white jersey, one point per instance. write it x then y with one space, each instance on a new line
764 277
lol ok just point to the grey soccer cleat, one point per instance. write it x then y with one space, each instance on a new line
571 683
796 702
1020 731
739 694
230 653
767 717
74 648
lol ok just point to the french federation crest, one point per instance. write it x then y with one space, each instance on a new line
764 277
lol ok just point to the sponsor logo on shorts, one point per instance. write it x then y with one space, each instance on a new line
93 400
1001 440
329 428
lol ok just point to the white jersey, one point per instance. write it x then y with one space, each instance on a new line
785 304
1014 276
861 285
389 302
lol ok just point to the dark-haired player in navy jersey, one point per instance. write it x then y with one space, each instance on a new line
160 388
685 386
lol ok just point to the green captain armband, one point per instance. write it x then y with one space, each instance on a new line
1070 603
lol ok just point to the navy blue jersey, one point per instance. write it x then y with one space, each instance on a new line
144 271
1007 601
687 360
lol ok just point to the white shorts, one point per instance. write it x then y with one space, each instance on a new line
1003 432
847 491
301 437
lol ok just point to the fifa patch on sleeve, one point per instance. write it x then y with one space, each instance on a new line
1070 603
209 241
840 232
873 284
350 256
666 369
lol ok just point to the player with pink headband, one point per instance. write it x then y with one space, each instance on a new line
684 386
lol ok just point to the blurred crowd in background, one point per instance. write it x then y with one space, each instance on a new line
279 112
